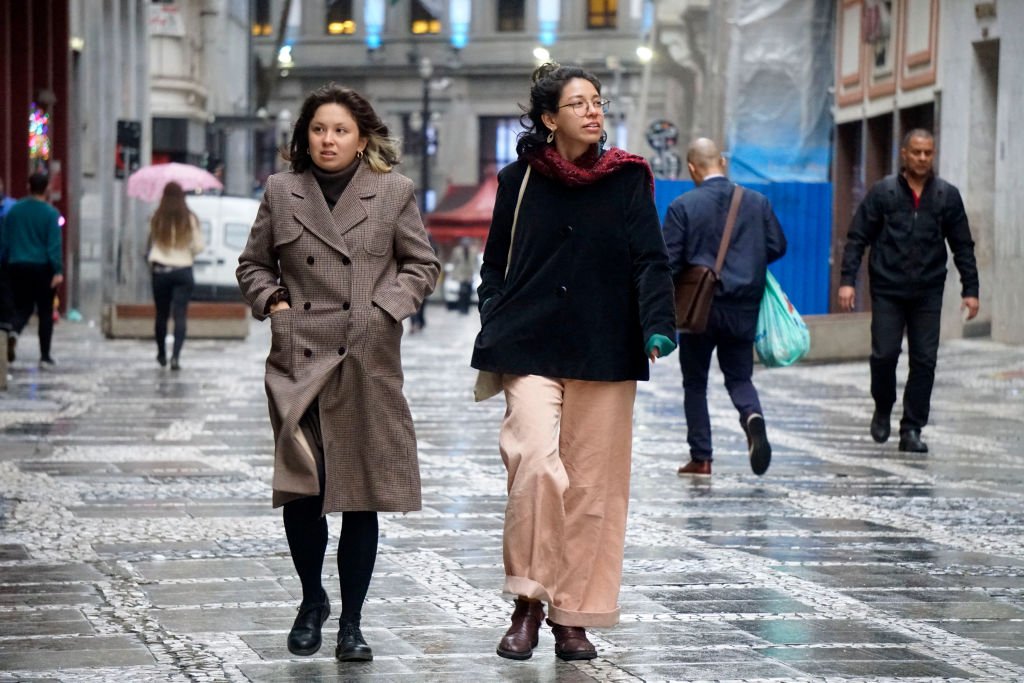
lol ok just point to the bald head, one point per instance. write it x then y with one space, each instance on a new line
703 158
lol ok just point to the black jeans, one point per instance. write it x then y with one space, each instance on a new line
30 285
732 333
919 315
172 288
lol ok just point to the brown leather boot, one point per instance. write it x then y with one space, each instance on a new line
571 642
521 637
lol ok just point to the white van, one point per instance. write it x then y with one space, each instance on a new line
225 222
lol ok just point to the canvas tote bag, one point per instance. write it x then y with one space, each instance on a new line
695 286
489 383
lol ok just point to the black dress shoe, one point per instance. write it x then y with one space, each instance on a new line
304 638
880 426
352 646
910 441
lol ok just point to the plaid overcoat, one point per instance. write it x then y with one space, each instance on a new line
353 275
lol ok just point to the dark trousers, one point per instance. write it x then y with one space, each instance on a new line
30 286
732 333
465 295
306 529
919 316
172 289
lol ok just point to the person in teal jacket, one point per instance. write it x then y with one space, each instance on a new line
31 244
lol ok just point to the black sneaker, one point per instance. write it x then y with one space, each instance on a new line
47 362
757 442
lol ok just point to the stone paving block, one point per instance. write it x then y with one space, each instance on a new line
39 595
819 631
385 643
70 653
203 569
327 670
50 622
13 551
225 619
216 593
653 670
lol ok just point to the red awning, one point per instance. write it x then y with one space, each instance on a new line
471 218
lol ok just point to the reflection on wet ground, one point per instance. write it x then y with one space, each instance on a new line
137 541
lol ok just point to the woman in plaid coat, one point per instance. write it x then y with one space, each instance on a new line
337 258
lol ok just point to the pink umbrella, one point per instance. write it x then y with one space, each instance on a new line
148 183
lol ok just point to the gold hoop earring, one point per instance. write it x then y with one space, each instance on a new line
359 154
551 137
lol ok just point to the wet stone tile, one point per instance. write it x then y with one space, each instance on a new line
73 653
818 631
213 593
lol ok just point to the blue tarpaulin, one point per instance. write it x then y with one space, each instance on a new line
805 212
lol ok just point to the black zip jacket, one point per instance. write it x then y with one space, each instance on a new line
908 244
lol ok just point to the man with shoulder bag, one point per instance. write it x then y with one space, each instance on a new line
721 236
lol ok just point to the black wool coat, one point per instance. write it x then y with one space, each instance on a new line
589 281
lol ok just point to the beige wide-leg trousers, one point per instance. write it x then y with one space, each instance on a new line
567 446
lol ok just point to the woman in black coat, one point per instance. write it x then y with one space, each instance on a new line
575 301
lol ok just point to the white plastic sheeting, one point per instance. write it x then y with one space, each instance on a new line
778 117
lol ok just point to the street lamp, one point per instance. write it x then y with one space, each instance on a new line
426 72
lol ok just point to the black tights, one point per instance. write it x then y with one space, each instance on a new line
306 529
357 551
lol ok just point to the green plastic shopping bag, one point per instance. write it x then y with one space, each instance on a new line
782 337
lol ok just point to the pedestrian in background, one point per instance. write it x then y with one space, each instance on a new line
907 219
6 298
573 307
174 240
337 258
33 247
694 225
463 270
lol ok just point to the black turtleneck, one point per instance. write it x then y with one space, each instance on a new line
333 183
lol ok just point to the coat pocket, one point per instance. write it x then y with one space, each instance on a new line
383 344
279 360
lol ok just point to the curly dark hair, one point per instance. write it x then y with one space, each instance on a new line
548 81
381 151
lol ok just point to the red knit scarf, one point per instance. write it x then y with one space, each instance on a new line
588 169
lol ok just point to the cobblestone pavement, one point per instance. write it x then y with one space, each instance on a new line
137 542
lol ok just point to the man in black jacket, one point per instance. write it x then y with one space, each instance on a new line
907 219
693 231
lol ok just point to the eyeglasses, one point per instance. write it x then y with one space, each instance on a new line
581 107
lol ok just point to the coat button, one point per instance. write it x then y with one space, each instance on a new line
567 230
345 260
306 305
308 353
309 260
562 291
345 306
341 351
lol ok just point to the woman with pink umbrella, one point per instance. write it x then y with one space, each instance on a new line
174 241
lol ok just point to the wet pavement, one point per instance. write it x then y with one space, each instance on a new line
137 542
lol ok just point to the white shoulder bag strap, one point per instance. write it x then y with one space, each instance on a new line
515 218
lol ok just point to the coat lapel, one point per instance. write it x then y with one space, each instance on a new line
350 210
312 211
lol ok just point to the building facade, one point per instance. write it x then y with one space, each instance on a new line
944 65
449 77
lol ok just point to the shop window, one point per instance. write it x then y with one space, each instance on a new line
339 17
511 15
261 23
602 14
422 20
